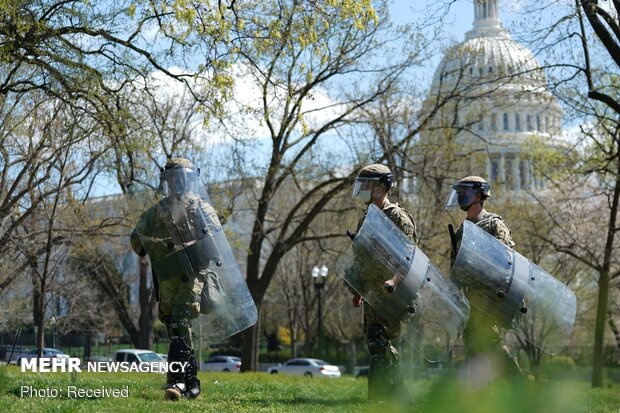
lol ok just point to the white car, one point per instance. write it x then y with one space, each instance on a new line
306 367
226 364
137 356
51 353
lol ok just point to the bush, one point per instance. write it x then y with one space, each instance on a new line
557 366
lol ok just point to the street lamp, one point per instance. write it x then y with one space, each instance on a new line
319 276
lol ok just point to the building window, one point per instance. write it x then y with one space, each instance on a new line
481 124
546 123
529 122
538 122
490 69
506 121
494 122
494 171
517 122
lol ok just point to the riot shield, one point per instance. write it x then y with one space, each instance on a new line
519 294
185 241
429 310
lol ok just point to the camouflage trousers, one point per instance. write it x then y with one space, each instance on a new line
179 298
179 304
384 378
485 349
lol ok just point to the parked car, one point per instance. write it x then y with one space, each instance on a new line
14 353
226 364
136 356
306 367
47 353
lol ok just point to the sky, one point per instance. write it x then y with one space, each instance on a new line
457 21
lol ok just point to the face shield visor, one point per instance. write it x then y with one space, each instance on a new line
462 195
178 181
363 188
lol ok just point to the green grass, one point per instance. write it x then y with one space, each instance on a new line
259 392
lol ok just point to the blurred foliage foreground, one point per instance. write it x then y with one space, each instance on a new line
259 392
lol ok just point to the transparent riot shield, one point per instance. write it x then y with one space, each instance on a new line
185 242
429 310
519 294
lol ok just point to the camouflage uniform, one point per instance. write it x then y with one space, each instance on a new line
179 291
163 231
491 223
383 375
482 336
404 221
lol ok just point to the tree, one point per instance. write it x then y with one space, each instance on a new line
297 56
66 151
606 164
586 80
156 121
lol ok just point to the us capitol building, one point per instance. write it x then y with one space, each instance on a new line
489 97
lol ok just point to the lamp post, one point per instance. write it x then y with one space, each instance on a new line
319 275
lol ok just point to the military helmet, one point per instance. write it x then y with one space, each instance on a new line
377 171
177 163
464 192
369 178
478 183
178 176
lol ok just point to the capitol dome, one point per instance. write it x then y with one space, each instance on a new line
487 57
489 96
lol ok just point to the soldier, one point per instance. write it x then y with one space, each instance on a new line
469 194
371 186
482 336
161 232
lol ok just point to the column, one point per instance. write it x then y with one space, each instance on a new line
488 167
502 168
516 172
528 174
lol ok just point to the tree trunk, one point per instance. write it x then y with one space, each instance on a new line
351 355
144 339
602 305
88 347
293 342
251 344
614 328
599 329
38 316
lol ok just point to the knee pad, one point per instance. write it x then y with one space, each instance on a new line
191 371
377 342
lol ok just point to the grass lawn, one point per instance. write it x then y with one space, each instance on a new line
259 392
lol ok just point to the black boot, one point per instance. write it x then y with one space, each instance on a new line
382 372
191 378
178 351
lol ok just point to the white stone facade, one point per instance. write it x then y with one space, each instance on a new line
496 99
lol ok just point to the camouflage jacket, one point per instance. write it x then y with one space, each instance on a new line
403 220
171 226
491 223
399 216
